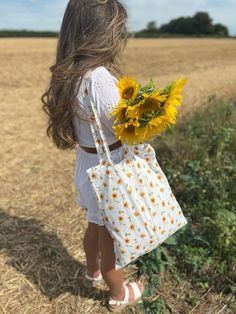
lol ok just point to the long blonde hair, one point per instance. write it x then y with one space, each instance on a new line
93 33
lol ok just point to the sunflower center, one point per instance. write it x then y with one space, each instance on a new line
130 129
150 104
123 111
128 92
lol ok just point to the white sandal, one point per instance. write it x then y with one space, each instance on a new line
89 281
117 305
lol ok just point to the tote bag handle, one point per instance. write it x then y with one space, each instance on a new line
97 131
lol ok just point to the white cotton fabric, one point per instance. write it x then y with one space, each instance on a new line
85 194
136 203
105 93
102 88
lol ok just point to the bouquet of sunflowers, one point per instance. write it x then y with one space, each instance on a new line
144 112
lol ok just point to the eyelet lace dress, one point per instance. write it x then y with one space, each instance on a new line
101 86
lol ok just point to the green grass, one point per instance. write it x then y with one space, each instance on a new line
198 158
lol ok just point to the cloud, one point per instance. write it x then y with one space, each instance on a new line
32 14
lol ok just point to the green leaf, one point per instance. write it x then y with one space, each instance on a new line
171 241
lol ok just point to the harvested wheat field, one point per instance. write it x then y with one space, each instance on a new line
41 227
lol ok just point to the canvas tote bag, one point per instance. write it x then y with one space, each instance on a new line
134 196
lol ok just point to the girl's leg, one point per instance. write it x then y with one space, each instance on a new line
90 244
113 278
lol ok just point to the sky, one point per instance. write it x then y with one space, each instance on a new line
47 14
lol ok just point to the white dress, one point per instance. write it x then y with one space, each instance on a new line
102 88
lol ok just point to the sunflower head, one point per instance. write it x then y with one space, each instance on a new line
175 90
126 131
120 111
178 85
132 111
150 102
128 88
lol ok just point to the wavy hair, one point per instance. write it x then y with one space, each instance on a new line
93 33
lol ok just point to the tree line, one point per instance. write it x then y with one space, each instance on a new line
27 33
199 25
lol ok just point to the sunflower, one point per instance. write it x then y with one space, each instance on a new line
120 111
158 125
151 101
128 88
132 111
174 98
143 132
157 95
154 127
126 131
145 112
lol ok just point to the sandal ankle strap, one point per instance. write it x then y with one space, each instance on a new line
121 302
98 278
136 290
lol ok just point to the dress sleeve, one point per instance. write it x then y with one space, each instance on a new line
102 89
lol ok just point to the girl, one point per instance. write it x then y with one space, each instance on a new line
92 36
